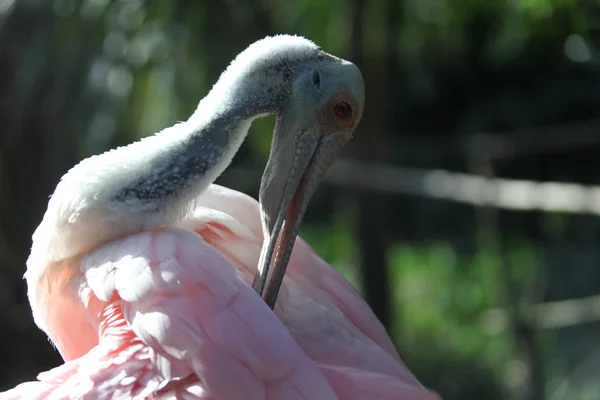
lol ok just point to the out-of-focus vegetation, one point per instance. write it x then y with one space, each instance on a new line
464 290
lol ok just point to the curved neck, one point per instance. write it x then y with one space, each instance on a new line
202 147
194 153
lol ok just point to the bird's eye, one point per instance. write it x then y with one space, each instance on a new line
342 110
316 79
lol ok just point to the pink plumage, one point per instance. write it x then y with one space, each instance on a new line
172 314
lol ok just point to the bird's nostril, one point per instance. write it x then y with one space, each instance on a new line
316 79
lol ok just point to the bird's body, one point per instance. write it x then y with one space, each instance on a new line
139 272
160 303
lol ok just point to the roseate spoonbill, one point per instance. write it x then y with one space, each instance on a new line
139 271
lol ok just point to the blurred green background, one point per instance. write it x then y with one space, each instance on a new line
490 289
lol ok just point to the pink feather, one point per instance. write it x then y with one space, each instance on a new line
171 313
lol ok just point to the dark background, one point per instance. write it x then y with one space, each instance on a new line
490 288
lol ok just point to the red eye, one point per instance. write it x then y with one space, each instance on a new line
342 110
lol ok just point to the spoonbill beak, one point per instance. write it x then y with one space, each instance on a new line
305 144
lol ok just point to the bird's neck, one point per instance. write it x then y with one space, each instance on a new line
184 160
193 154
151 183
155 181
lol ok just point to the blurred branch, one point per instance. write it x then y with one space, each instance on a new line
512 194
549 315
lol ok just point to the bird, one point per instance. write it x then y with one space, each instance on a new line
153 282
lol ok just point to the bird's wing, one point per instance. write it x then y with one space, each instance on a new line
318 299
186 301
325 314
304 264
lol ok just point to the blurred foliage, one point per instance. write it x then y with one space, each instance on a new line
81 76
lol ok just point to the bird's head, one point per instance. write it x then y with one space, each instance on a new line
318 105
